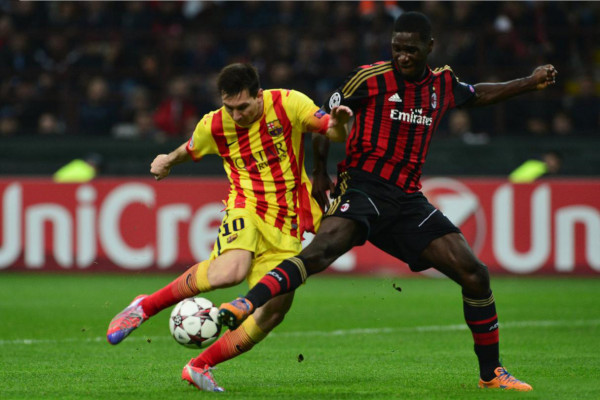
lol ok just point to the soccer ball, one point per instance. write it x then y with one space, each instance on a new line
194 322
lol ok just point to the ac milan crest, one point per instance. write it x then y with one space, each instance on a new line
433 100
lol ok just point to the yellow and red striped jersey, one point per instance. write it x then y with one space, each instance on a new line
265 162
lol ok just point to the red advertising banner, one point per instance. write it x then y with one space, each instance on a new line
550 227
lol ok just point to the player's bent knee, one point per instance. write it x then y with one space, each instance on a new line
477 281
319 257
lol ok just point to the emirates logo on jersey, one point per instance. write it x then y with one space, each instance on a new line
274 128
415 116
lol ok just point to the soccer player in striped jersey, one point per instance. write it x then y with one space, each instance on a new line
259 135
398 104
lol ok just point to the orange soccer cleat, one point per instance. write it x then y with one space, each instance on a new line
232 314
504 380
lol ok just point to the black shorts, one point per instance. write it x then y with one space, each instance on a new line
401 224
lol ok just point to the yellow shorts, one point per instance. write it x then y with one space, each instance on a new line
243 230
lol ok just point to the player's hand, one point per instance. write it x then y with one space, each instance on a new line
160 167
339 115
322 184
544 75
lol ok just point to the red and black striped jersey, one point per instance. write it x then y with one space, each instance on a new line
395 119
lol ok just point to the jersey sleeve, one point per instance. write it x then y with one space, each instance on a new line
350 93
462 92
202 141
308 113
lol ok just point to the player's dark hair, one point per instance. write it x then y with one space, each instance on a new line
234 78
413 21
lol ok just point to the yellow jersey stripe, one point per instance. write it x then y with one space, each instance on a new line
363 75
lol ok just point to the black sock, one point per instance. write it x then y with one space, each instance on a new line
481 318
284 278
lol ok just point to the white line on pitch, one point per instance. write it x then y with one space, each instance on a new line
437 328
340 332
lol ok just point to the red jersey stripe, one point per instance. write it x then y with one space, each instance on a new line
219 135
422 137
258 187
387 168
408 132
275 167
370 138
305 202
287 126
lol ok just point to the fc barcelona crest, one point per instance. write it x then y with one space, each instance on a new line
274 128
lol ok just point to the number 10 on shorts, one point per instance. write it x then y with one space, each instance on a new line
233 226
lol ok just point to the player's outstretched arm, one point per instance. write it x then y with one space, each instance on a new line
490 93
162 164
337 130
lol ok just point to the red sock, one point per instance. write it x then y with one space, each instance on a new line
190 283
231 344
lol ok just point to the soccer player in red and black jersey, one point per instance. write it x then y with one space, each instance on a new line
398 104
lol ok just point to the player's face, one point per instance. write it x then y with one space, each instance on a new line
243 108
410 54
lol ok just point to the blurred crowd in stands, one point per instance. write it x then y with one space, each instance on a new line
147 69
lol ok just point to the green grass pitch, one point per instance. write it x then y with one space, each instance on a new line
359 339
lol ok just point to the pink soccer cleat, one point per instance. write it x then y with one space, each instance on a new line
201 378
126 321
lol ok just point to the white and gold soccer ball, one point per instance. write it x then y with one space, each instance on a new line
194 322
